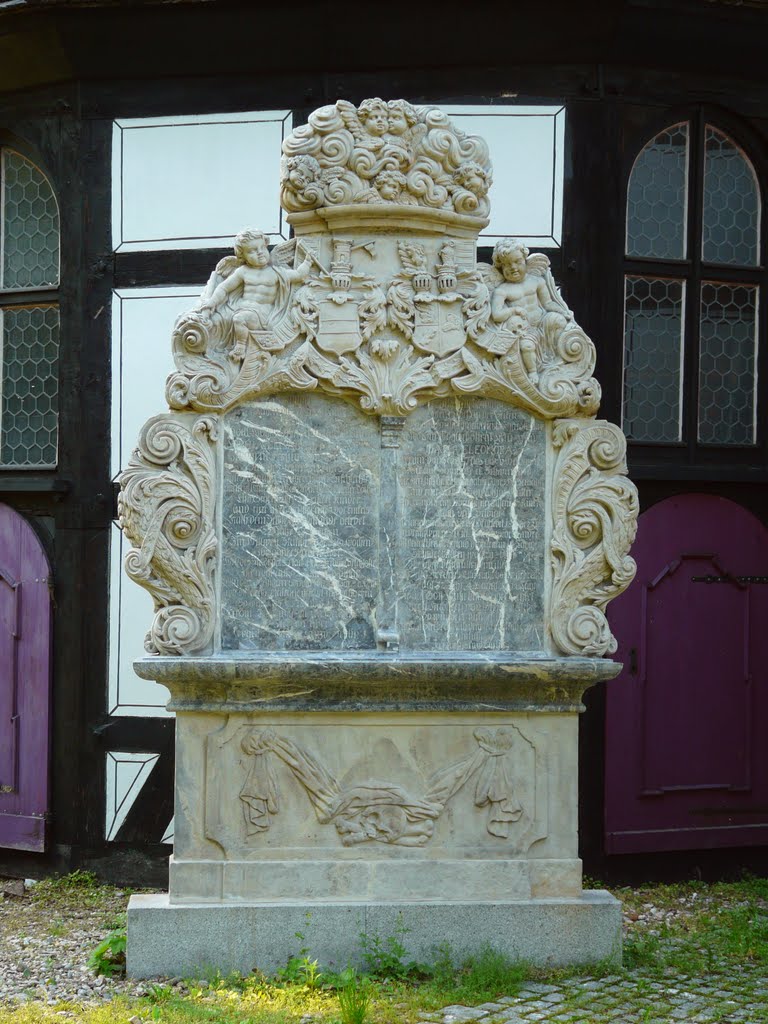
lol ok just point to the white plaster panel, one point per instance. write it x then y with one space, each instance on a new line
172 180
130 609
527 194
126 773
142 321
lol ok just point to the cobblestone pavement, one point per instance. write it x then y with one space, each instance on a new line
740 999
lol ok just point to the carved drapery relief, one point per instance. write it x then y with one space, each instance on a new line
384 153
166 509
594 520
390 341
383 812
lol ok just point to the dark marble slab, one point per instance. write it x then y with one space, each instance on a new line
344 532
300 559
472 538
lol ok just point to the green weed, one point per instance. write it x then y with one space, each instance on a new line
386 958
109 956
354 998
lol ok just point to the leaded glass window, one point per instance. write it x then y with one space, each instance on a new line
692 237
29 315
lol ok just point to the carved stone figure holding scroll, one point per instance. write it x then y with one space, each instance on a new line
261 290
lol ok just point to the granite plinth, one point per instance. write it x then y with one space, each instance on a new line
188 940
351 680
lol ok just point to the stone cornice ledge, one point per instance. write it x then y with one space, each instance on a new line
352 681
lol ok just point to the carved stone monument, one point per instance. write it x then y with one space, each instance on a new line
380 525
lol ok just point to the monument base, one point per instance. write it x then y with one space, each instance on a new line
168 939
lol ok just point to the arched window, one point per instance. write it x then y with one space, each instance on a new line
29 314
691 295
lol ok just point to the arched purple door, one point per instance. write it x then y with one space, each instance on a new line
25 648
686 755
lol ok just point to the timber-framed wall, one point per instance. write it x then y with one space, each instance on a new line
66 72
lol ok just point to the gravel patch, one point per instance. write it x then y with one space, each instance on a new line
44 950
45 944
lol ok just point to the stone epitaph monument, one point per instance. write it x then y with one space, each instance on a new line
380 525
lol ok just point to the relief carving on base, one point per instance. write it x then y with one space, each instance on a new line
166 509
594 521
379 811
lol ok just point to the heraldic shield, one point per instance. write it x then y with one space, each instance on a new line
438 327
339 329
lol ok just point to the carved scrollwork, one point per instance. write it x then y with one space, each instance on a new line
383 812
594 520
392 341
166 509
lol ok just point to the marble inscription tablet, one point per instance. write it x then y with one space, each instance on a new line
300 526
331 532
472 534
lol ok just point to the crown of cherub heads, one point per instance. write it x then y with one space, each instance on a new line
384 152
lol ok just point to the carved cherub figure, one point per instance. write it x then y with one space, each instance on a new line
257 287
523 303
519 288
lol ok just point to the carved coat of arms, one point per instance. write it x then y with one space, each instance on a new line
438 325
339 325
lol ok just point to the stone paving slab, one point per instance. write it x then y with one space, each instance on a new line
638 999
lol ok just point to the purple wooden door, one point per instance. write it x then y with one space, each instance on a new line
686 722
25 647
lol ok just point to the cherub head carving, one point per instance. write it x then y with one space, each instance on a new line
251 247
509 256
301 171
390 185
374 116
474 178
401 116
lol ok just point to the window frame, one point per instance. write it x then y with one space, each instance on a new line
693 270
33 296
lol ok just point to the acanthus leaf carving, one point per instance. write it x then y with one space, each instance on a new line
594 521
166 509
379 811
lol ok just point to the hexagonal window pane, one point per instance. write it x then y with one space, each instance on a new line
731 215
30 238
29 416
657 197
727 363
653 352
